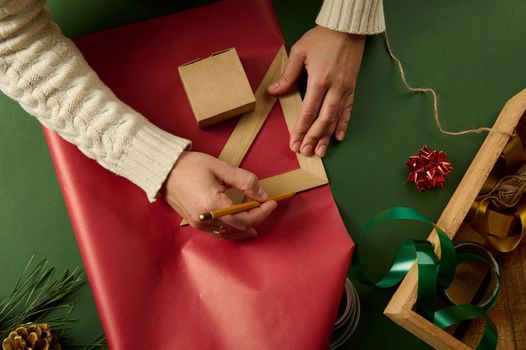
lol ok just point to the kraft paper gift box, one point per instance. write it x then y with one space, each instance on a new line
217 87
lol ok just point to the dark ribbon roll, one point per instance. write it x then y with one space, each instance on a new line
348 316
471 251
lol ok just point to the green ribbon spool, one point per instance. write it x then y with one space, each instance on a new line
432 274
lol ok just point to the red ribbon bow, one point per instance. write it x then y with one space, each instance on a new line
428 169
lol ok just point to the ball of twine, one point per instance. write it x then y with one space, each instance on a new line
508 191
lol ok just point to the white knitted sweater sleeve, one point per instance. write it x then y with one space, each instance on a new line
46 73
352 16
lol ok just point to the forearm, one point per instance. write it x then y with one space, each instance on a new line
48 76
352 16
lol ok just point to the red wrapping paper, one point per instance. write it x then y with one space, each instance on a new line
169 287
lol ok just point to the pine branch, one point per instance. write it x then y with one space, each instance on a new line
36 297
98 343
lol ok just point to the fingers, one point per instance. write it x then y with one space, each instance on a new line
243 180
323 143
289 76
220 229
309 109
236 226
200 188
235 234
345 117
316 140
247 219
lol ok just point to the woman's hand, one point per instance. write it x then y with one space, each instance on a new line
197 185
332 60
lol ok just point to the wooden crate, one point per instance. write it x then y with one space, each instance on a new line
509 313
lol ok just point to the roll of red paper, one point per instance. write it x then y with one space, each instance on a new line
160 286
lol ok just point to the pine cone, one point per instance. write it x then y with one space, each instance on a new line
31 336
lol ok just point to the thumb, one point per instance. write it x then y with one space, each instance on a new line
242 180
289 76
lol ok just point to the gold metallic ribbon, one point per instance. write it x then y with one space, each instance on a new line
503 228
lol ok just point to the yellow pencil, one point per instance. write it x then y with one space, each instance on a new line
237 208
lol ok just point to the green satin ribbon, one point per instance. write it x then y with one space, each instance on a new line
432 273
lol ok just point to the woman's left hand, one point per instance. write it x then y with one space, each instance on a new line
332 60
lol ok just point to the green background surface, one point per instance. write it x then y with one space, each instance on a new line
471 52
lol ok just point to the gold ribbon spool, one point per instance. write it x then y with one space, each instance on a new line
506 228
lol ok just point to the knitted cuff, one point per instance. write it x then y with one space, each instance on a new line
352 16
150 157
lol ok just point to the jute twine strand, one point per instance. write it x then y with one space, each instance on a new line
435 97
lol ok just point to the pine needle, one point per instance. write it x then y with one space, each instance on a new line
37 297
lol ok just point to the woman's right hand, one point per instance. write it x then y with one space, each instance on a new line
197 185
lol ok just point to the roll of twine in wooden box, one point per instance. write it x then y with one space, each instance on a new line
508 191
